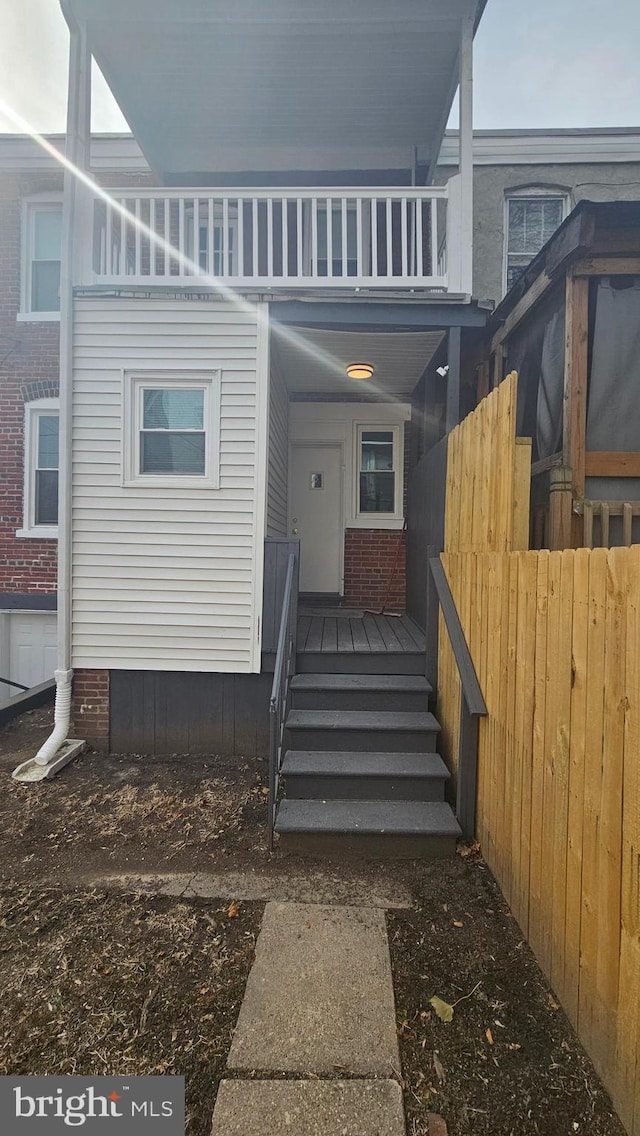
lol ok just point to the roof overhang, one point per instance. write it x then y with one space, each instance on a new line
195 78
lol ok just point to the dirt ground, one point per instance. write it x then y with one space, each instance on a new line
117 974
100 984
508 1062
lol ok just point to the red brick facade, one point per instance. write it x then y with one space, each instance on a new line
91 707
28 370
369 558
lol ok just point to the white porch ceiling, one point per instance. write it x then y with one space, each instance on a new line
314 362
194 77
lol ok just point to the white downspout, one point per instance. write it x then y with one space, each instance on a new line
78 143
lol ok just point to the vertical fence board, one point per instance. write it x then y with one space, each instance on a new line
573 907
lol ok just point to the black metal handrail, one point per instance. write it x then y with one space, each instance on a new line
472 703
282 673
18 685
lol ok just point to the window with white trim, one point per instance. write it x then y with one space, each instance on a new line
172 429
41 253
532 217
41 464
378 478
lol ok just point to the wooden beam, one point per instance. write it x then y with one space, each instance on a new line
575 379
608 266
537 290
560 516
609 463
521 495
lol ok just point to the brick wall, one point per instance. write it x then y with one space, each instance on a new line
28 370
91 707
369 556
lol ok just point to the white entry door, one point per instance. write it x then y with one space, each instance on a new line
315 514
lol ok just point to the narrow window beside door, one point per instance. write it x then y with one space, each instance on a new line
377 471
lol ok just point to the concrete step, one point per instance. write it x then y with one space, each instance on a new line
360 662
360 692
375 829
348 775
362 730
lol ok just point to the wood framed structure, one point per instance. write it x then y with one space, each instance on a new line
563 327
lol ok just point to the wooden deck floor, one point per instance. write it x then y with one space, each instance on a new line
349 631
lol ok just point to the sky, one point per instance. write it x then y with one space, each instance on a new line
538 63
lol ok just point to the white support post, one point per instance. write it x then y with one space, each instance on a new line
466 155
74 234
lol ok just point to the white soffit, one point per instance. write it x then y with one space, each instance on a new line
314 362
195 76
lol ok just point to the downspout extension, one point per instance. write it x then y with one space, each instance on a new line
61 718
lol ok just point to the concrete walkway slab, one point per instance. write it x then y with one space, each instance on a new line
309 1108
375 887
319 999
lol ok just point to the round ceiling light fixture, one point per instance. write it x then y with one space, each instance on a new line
360 370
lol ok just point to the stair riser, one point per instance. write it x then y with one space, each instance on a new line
413 702
362 741
311 662
373 847
364 788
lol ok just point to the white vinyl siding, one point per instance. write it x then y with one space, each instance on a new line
278 454
167 578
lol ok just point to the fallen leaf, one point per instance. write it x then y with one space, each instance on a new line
233 910
439 1068
514 1045
442 1009
308 923
489 1035
552 1002
457 923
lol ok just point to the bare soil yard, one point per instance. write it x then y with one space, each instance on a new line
100 980
103 984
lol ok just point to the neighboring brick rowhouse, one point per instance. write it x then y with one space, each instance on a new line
369 556
91 708
28 370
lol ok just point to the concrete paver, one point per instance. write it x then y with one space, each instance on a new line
319 999
309 1108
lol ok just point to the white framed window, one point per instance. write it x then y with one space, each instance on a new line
171 432
532 216
41 253
41 465
378 472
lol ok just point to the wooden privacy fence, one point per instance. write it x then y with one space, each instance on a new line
488 478
555 640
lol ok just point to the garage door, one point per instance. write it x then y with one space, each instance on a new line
27 648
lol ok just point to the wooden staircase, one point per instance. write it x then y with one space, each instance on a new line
360 773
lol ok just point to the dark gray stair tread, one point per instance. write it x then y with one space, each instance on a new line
317 763
358 682
361 720
399 818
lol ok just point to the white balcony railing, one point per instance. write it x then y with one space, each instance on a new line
298 238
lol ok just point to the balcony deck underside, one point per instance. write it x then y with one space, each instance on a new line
193 79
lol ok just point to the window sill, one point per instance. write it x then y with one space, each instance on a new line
43 532
38 317
375 521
